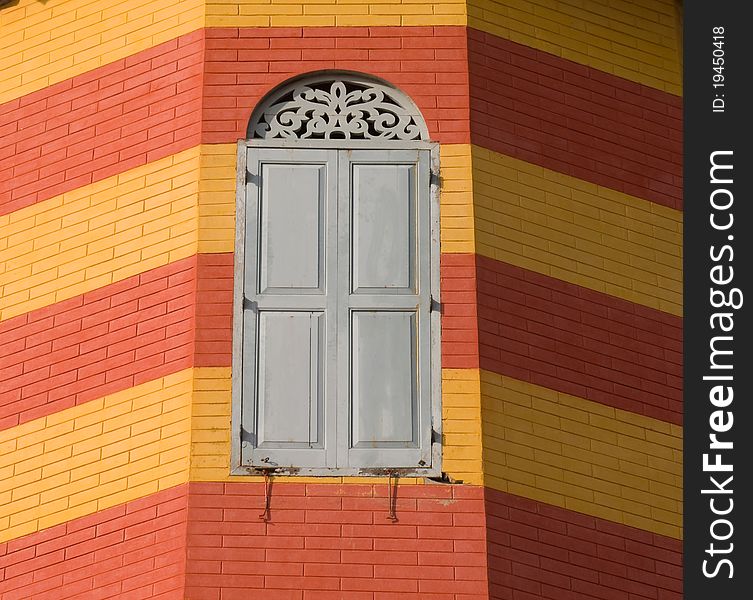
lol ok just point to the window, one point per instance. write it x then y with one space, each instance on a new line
336 368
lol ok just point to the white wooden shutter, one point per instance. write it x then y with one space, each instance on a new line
289 315
384 379
336 369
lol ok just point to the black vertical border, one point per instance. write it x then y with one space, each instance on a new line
706 132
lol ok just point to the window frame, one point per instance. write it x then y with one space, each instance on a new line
243 184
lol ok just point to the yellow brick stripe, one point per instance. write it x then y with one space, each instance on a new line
216 215
537 443
331 13
581 455
99 234
636 40
161 434
456 199
95 456
210 432
150 216
577 231
44 43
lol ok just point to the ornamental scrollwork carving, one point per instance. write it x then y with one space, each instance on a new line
337 109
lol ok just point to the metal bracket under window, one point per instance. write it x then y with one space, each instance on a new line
266 515
392 495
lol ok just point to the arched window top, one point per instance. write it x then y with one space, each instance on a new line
337 106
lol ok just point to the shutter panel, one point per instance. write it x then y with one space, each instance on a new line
289 314
384 379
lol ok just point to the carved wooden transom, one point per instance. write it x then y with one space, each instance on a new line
338 108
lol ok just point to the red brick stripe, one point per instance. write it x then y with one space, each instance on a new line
135 550
335 542
149 105
214 311
203 86
538 551
98 343
430 64
154 324
526 325
205 541
114 118
575 119
459 312
575 340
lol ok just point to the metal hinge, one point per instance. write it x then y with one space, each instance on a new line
252 178
434 305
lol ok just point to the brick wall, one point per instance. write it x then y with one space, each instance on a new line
135 550
82 130
335 541
577 231
575 120
95 456
297 13
104 341
99 234
580 342
581 455
561 293
539 551
45 44
638 41
427 63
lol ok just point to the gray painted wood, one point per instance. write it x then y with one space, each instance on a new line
292 228
338 352
384 342
290 393
384 227
289 325
384 394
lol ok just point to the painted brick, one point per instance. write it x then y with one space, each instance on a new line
258 66
567 577
96 455
577 231
577 341
45 45
640 42
70 559
90 326
307 566
456 198
100 233
569 452
459 312
127 113
284 13
554 116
